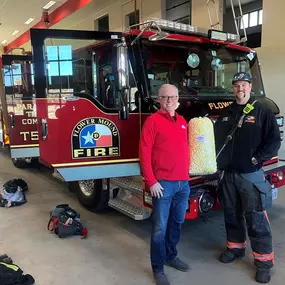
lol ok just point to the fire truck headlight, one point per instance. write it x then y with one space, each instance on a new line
280 175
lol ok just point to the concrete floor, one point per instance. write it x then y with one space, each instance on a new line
117 249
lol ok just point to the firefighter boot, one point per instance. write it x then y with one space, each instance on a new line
263 275
229 256
160 278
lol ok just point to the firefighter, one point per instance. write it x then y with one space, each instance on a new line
243 191
164 159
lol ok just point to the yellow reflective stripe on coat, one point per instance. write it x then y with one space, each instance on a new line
11 266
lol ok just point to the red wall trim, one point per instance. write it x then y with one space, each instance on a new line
56 16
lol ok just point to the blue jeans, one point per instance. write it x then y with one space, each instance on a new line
167 217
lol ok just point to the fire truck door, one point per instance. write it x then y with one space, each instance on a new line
80 80
20 129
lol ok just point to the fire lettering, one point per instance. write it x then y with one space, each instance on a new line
108 124
24 134
33 136
29 121
97 152
28 106
95 137
219 105
29 113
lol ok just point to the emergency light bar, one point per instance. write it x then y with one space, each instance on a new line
212 34
174 26
223 36
166 25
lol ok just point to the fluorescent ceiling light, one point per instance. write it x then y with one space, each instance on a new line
4 42
15 33
29 21
49 4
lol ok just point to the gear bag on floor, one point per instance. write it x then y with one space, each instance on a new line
64 222
13 193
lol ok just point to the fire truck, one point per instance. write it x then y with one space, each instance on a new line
92 91
18 114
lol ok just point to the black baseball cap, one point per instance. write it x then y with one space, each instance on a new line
241 76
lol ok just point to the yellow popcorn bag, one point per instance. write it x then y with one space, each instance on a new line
202 149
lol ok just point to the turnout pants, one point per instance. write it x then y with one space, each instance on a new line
245 198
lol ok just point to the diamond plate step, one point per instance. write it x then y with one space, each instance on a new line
134 186
129 209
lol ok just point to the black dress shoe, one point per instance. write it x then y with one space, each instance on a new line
160 278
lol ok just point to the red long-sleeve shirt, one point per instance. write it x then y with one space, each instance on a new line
164 151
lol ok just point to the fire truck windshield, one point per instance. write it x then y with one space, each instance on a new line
200 70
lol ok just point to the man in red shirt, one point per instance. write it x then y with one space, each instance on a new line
164 158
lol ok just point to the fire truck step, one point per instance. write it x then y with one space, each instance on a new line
129 209
134 186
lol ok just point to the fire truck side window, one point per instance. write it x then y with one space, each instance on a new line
104 76
12 75
18 78
84 67
68 67
59 68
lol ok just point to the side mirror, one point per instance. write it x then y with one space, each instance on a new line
122 65
123 79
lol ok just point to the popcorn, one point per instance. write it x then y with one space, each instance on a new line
202 149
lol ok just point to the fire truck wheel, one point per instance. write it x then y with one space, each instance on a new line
91 194
20 163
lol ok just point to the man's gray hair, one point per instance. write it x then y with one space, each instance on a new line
162 87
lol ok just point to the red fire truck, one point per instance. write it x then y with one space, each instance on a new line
94 90
18 113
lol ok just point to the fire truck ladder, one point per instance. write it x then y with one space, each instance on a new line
217 25
238 20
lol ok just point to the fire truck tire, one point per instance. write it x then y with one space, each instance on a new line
91 194
20 163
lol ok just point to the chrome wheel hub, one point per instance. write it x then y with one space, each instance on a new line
86 187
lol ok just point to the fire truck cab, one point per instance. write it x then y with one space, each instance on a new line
94 90
18 112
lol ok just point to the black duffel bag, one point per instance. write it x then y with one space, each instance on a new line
65 221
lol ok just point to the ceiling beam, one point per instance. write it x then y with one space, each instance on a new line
62 12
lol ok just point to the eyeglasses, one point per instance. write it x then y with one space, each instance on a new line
165 98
